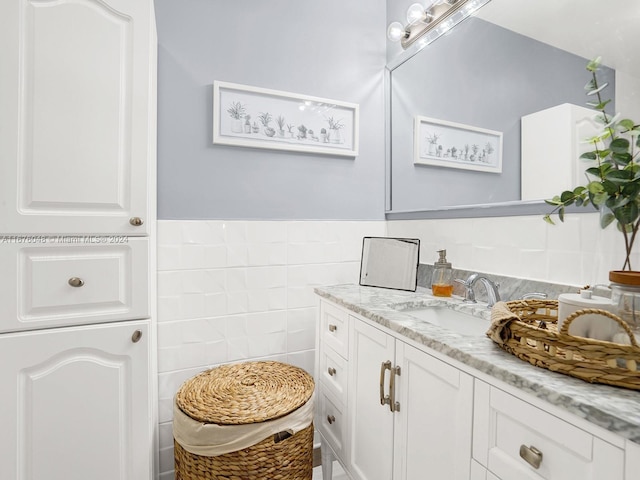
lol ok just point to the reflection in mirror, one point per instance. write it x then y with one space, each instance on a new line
490 72
390 262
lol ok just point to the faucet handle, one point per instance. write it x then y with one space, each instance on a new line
469 295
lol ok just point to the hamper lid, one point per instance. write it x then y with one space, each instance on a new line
245 393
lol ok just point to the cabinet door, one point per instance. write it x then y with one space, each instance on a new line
77 116
76 403
370 428
433 426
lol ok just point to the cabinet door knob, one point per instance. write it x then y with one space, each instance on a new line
76 282
137 335
332 328
331 371
531 455
331 419
136 221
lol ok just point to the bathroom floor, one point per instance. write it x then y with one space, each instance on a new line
338 473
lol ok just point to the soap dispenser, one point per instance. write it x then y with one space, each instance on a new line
441 283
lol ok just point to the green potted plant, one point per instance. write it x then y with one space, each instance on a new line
613 184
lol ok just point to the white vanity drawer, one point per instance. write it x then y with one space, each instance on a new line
334 328
333 373
507 429
330 422
58 284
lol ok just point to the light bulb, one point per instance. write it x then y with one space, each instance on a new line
415 13
396 32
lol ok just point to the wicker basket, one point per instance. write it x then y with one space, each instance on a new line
534 337
242 394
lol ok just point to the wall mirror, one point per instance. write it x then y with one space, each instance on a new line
510 60
390 262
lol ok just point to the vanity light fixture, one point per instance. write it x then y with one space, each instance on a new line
428 21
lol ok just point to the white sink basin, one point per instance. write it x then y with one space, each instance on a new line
459 322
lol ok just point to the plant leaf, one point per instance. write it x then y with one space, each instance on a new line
547 218
619 145
626 123
606 219
589 155
627 213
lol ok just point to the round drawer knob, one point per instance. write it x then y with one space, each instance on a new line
76 282
332 328
136 221
137 335
331 371
331 419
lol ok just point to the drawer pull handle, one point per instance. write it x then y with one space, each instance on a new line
393 405
136 221
76 282
384 399
137 335
331 371
332 328
331 419
531 455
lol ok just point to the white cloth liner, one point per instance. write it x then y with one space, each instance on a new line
211 440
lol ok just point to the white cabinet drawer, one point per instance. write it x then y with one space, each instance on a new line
333 373
49 285
330 422
505 425
334 328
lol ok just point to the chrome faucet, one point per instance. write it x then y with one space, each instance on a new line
493 295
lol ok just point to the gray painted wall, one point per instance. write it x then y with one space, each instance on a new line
485 76
332 49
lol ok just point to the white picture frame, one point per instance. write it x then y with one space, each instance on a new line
454 145
252 117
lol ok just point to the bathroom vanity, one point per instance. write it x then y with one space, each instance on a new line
409 387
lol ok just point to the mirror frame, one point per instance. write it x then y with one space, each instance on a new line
499 209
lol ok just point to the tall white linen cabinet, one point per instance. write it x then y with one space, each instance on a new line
77 239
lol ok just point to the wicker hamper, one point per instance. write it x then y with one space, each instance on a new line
254 397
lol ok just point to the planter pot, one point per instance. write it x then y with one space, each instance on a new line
625 296
236 126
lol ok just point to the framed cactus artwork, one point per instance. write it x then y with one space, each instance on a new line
256 117
441 143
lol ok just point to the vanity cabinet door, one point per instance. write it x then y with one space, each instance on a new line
433 424
77 123
76 403
370 424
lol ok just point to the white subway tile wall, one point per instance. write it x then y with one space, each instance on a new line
232 291
576 252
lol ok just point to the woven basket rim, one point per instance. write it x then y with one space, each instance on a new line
534 337
245 393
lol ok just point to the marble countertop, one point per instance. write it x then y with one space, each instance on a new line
614 409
